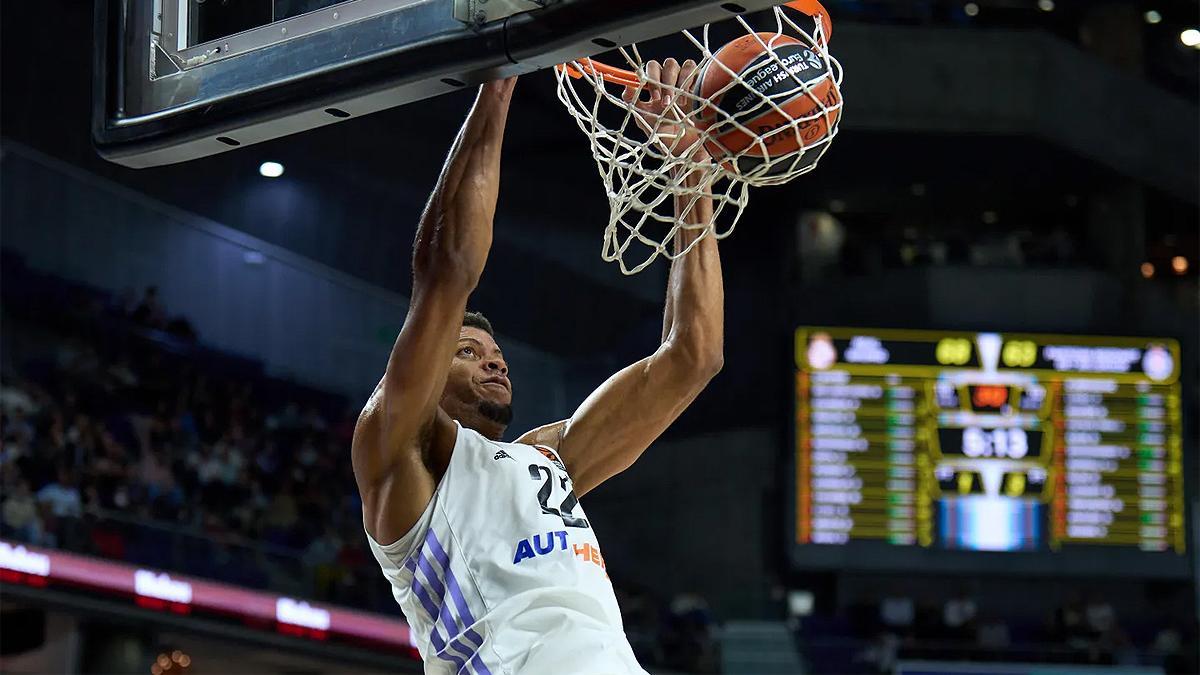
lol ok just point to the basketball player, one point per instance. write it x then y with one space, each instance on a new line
485 544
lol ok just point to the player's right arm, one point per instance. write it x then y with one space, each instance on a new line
401 425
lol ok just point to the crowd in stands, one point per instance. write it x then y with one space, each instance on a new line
1084 628
123 438
102 436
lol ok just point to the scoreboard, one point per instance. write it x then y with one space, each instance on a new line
915 445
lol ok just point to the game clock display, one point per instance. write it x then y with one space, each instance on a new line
987 441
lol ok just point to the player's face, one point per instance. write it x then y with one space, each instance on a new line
478 392
482 365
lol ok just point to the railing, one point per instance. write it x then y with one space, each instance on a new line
223 556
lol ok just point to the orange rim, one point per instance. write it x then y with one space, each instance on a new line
628 78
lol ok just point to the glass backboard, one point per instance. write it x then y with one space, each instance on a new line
181 79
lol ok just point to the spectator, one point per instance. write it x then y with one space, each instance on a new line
1099 616
1069 623
62 496
208 466
307 455
110 474
12 450
18 428
14 399
958 616
156 479
897 612
281 517
20 515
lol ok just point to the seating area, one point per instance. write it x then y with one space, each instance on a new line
125 437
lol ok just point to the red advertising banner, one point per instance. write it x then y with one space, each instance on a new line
179 594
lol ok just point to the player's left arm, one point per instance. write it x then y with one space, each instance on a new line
615 425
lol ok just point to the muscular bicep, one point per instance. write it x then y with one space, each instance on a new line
403 404
399 426
618 421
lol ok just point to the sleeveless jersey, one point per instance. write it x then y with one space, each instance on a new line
502 573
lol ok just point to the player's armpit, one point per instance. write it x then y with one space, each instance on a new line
394 500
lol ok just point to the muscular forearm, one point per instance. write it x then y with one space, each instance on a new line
455 233
694 316
448 257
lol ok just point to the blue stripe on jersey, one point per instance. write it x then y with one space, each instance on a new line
479 667
434 562
434 637
460 602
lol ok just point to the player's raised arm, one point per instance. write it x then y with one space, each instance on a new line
614 425
400 423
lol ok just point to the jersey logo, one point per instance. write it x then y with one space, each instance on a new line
502 455
549 454
527 549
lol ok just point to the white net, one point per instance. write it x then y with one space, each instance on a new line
761 107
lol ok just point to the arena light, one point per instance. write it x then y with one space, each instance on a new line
1179 264
271 169
1147 270
1153 16
1046 5
1190 38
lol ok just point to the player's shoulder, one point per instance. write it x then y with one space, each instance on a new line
547 436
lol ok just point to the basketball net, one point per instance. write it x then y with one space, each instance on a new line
650 179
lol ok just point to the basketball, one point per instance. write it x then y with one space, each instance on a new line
768 67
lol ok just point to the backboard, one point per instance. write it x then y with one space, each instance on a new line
181 79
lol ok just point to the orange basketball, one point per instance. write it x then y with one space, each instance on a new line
788 73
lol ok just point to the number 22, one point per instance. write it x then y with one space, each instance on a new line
564 509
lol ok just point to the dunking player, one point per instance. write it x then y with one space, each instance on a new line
486 546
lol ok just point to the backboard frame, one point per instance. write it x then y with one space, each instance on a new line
157 104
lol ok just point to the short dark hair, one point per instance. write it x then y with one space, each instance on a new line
478 320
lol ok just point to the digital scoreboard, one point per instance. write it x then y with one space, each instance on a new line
914 444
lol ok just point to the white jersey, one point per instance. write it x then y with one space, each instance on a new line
502 574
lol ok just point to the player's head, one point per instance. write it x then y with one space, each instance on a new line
478 392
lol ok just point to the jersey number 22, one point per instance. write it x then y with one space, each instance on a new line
543 473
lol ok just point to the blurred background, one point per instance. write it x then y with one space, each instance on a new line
185 350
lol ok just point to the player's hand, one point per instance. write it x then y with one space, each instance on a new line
665 112
498 91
